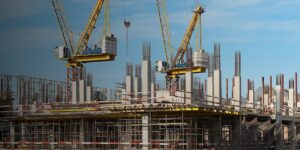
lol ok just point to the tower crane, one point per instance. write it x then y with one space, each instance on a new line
76 56
175 66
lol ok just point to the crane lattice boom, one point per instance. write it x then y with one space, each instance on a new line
85 36
65 30
187 36
165 30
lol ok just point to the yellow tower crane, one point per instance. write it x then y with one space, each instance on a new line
173 67
77 55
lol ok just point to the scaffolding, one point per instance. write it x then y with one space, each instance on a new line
183 129
42 123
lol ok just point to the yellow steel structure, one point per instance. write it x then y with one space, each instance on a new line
76 57
173 71
187 36
85 36
79 59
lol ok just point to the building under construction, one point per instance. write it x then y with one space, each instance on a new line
185 112
142 115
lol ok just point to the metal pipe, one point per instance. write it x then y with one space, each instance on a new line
205 87
282 92
296 87
263 92
226 88
232 86
271 90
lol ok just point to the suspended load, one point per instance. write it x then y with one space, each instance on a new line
109 45
200 59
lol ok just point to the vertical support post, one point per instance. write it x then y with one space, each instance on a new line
263 94
129 84
22 133
188 88
237 82
81 134
146 73
226 89
137 83
296 90
145 132
12 134
279 96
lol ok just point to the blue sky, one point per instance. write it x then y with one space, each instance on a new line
266 33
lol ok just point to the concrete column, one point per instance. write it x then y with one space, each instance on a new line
210 90
266 101
51 138
82 91
129 89
74 92
123 95
153 92
23 133
89 94
145 132
81 134
217 99
12 132
137 88
188 88
237 93
290 102
146 81
251 98
277 101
